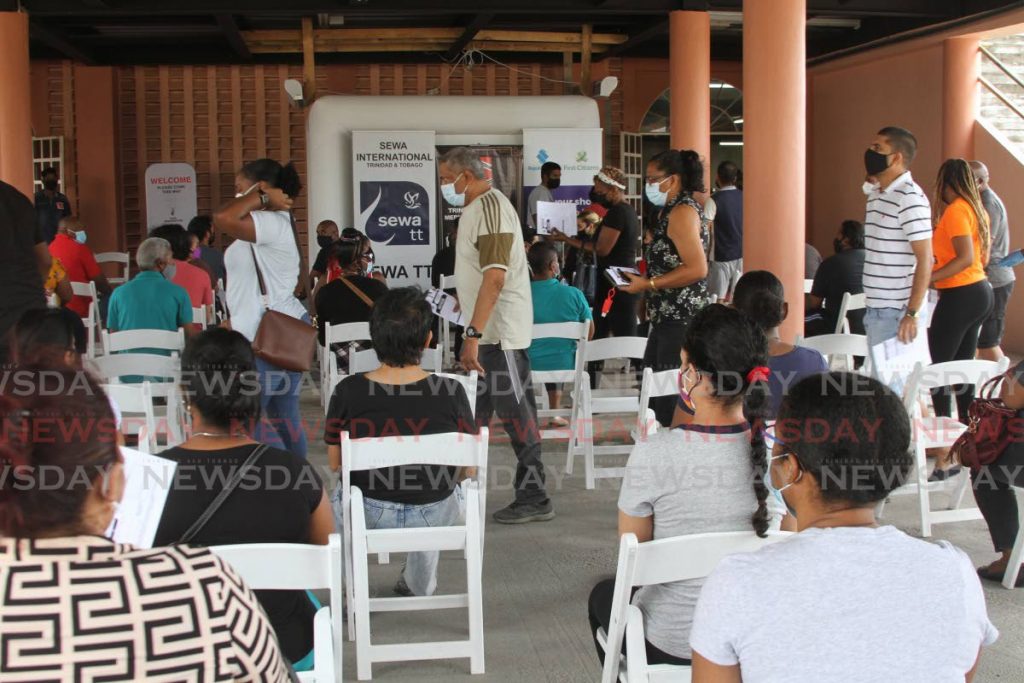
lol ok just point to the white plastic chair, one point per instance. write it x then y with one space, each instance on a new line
342 333
451 450
637 668
367 361
120 257
577 332
680 558
1017 554
469 382
138 413
602 401
838 348
934 432
92 322
297 566
200 317
444 328
221 297
851 302
113 368
808 285
130 340
654 385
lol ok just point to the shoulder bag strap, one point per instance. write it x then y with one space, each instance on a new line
259 278
358 292
228 489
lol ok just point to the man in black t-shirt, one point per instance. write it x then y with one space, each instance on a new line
326 235
836 276
24 261
51 205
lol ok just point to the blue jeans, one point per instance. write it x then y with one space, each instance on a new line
420 570
279 401
882 324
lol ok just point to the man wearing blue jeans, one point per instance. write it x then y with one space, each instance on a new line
897 239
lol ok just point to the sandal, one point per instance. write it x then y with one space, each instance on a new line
942 475
986 574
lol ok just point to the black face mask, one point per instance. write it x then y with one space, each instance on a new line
837 244
554 183
875 162
50 185
324 241
600 199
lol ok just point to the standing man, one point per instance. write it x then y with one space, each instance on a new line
725 210
493 282
1001 279
897 239
24 261
550 179
51 205
202 227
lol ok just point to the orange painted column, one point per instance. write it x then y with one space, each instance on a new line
689 81
15 103
774 152
96 132
960 96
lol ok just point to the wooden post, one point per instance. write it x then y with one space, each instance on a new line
308 62
588 35
567 72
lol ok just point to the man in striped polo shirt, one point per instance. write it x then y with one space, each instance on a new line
897 238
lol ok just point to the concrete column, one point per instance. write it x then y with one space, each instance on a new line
690 80
15 103
774 156
96 132
960 96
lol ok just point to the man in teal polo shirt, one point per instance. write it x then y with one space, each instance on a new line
554 302
150 301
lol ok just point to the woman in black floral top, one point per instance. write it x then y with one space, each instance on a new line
677 264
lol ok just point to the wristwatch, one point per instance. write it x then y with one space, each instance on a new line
472 333
911 313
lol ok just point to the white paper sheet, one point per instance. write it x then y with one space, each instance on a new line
558 215
894 361
445 306
148 479
615 274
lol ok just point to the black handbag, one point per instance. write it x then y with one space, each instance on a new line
585 277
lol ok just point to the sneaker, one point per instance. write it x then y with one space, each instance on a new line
402 588
521 513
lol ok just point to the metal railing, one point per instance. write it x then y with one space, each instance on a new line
996 90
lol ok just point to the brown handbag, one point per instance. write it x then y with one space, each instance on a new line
281 340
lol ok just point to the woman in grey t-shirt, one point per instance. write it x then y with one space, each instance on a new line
705 476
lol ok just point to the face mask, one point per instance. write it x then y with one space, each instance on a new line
50 185
655 195
324 241
875 162
837 244
686 398
771 487
868 187
369 266
451 196
242 194
169 271
80 236
554 183
197 253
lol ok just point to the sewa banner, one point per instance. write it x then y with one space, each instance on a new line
394 177
576 150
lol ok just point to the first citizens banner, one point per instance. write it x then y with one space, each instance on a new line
394 177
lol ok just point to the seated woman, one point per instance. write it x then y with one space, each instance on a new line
48 336
992 487
855 601
287 506
760 296
94 612
400 399
722 381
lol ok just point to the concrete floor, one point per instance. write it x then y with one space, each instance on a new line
537 578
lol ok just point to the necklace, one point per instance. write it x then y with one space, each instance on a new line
213 434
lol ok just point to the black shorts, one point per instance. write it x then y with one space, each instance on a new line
992 329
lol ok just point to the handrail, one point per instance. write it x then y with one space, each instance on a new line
1001 96
1002 67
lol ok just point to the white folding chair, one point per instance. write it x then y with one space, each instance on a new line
221 297
838 349
1017 554
164 376
654 385
444 328
577 332
451 450
92 323
936 432
132 340
602 401
851 302
200 316
119 257
367 361
138 413
297 566
665 560
808 285
469 383
637 668
330 373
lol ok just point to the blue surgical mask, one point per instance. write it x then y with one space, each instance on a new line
771 487
654 193
80 236
169 271
451 196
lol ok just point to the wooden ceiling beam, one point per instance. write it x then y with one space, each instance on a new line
468 34
229 27
416 46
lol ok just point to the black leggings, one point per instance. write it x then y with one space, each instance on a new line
620 322
995 497
664 345
599 608
953 335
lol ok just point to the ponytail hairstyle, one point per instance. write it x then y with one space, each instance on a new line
760 296
284 178
684 163
729 349
956 174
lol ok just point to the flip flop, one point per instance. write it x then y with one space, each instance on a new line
986 574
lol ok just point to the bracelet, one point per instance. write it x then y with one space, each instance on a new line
651 283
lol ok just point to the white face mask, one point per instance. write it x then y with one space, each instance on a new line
655 194
869 187
451 196
242 194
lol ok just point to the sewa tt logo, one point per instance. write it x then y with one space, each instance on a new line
395 212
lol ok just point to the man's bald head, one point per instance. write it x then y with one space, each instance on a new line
980 171
70 224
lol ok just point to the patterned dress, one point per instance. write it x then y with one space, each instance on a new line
83 608
682 303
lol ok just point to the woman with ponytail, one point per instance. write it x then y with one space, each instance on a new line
705 476
259 220
677 260
760 296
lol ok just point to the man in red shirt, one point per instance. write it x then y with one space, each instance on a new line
78 260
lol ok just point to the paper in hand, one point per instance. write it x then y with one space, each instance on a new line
445 306
617 275
560 216
1014 258
147 481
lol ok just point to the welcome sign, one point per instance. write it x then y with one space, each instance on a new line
394 177
577 150
170 194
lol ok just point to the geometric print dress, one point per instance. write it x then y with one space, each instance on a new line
83 609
